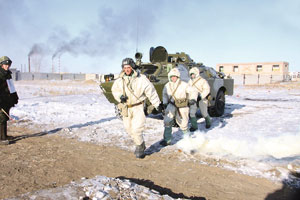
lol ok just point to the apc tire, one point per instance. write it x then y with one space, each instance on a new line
218 109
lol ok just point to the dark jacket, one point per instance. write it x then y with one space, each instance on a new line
7 99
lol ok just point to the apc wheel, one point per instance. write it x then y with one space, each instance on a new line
218 109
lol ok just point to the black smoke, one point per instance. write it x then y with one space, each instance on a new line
113 32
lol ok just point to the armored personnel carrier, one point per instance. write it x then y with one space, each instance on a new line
161 62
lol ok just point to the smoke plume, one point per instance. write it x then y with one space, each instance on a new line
114 32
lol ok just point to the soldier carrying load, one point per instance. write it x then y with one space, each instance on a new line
177 96
202 87
131 90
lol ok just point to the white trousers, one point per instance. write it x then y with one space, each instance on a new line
135 123
181 115
203 108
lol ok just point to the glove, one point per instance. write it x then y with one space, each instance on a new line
14 99
199 98
192 102
123 99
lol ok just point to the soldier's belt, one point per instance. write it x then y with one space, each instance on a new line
135 104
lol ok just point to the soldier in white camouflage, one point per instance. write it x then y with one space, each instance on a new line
200 85
131 90
177 95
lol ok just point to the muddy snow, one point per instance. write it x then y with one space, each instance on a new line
68 144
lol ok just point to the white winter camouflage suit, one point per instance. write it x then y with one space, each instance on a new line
202 88
137 88
183 91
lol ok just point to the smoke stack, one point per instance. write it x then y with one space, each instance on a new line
52 66
28 63
59 64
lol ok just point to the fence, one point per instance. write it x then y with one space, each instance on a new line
244 79
17 76
258 79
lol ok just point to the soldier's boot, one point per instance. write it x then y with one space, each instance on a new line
167 137
207 122
140 150
3 134
194 125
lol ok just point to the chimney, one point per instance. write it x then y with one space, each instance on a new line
52 66
59 64
28 63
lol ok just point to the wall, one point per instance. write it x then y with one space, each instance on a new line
91 76
294 76
17 76
243 79
250 79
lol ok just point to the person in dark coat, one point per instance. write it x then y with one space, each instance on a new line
8 97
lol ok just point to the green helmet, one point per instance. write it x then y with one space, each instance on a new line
4 60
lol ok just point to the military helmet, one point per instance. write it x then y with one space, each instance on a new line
4 60
128 61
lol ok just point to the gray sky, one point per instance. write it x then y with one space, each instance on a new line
93 36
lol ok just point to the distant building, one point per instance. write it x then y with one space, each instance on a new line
256 73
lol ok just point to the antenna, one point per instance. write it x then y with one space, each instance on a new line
137 24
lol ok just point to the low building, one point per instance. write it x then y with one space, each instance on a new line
256 73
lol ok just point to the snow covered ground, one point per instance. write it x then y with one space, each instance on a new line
258 135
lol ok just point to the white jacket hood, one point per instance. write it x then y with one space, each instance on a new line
195 71
174 72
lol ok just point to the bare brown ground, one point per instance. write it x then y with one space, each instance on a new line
47 161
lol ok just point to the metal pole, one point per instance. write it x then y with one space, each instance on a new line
28 63
52 66
59 64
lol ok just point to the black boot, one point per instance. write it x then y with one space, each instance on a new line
164 143
194 125
3 134
139 150
207 122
